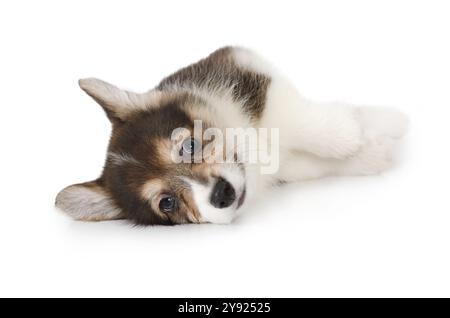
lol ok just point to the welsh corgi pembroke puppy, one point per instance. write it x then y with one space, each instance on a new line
216 134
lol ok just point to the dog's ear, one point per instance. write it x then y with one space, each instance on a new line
88 201
117 103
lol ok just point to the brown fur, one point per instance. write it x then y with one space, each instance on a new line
220 70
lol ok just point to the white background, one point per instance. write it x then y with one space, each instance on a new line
385 235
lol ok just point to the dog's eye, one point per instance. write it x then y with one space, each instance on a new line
190 145
167 203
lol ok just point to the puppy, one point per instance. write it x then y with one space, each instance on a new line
210 137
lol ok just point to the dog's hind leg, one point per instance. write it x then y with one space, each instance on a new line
327 130
381 130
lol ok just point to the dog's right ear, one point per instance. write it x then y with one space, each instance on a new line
117 103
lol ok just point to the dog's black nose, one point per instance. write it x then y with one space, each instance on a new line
223 194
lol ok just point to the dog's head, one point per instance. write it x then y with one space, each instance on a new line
143 179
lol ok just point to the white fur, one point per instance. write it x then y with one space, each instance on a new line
321 139
226 111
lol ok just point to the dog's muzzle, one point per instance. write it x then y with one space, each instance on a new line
223 194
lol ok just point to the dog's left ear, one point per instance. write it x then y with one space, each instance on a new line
88 201
117 103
